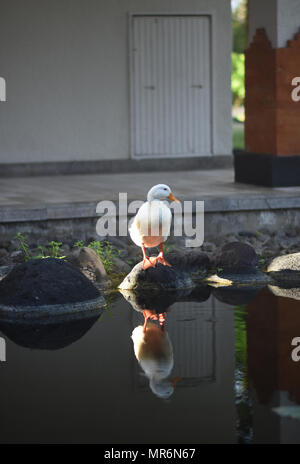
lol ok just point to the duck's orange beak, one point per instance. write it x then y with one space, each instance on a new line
175 381
171 197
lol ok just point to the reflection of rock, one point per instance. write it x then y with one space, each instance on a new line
89 263
286 268
46 287
48 336
159 277
160 301
154 352
236 296
286 292
199 294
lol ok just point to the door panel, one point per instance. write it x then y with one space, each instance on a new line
171 86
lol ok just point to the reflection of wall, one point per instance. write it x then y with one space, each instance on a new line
87 392
272 322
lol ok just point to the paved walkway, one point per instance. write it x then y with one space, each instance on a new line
57 197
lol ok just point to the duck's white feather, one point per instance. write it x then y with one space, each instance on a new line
151 224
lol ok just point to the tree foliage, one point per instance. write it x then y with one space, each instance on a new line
238 78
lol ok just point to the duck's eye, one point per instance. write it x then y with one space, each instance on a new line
165 189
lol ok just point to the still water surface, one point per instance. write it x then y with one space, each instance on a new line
229 356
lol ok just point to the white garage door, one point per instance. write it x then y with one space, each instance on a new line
171 86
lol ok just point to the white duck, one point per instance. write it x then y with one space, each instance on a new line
154 352
151 225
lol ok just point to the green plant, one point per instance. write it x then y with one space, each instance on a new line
23 245
106 253
219 269
42 252
54 249
79 244
168 246
238 78
238 133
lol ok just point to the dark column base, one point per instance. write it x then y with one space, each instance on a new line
266 170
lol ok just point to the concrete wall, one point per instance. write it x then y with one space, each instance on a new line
280 18
66 67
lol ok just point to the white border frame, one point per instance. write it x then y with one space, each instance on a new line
131 15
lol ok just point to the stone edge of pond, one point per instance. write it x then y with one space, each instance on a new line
55 310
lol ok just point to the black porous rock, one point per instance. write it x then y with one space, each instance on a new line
237 257
88 262
187 266
237 262
189 260
47 336
49 284
158 277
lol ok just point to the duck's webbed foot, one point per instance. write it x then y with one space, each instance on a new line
160 257
148 262
154 316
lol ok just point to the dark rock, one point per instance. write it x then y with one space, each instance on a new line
17 256
246 233
245 276
4 270
88 262
118 243
5 244
49 336
208 247
189 260
186 266
120 266
236 256
158 277
46 282
3 252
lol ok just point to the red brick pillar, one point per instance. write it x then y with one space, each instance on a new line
272 126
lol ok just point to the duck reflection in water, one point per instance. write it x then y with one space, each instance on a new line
152 345
154 352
